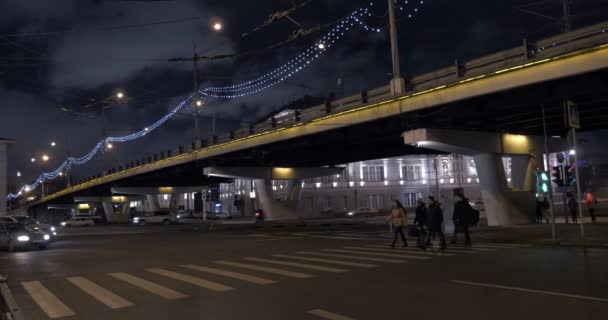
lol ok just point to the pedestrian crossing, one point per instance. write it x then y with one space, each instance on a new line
112 290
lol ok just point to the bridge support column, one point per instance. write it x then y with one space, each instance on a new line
152 202
523 168
275 209
108 210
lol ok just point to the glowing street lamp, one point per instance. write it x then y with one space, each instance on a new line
45 158
217 26
53 144
33 160
199 103
109 146
120 95
18 173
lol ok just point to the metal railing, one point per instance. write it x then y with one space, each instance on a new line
527 53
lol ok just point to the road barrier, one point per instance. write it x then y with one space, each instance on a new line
9 310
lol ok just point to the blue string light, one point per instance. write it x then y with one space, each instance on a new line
266 81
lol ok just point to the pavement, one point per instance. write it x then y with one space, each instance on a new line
340 272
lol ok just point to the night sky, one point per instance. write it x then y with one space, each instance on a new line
67 53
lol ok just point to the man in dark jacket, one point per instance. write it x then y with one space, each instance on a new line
420 218
434 223
573 207
463 213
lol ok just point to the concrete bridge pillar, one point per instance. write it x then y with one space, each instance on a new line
275 209
152 202
108 210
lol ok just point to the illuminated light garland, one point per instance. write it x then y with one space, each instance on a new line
264 82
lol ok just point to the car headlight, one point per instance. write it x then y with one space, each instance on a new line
54 233
63 224
47 237
351 213
52 228
179 216
135 219
23 238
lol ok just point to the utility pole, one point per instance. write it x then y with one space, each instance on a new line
567 15
397 83
546 163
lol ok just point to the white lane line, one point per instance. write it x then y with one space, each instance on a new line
46 300
513 245
149 286
280 238
329 261
328 315
297 265
282 272
399 250
214 286
446 253
551 293
484 246
111 300
230 274
467 249
393 255
351 257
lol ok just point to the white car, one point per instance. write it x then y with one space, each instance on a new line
78 222
363 212
157 217
44 227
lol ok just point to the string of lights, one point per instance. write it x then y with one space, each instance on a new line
266 81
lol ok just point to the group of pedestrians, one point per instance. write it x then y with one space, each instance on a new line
589 202
429 221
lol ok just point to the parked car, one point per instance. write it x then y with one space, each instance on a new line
19 235
363 212
44 227
218 215
157 217
78 222
8 219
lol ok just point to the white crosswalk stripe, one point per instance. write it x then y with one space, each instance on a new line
110 299
282 272
297 265
512 245
393 255
474 247
230 274
446 253
352 257
149 286
46 300
328 315
328 261
214 286
400 250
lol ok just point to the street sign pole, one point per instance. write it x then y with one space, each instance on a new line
546 160
573 123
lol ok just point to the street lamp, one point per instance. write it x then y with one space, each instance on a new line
53 144
109 146
18 173
45 158
33 160
120 95
217 26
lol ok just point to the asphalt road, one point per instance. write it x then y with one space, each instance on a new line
347 273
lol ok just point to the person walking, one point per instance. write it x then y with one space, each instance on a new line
398 219
434 224
539 210
463 213
420 221
573 207
590 202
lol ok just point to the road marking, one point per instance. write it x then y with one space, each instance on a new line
394 255
280 238
328 315
331 255
297 265
230 274
446 253
149 286
46 300
483 246
111 300
513 245
467 249
190 279
551 293
329 261
265 269
405 250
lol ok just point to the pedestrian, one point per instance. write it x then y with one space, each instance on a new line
539 210
591 202
398 219
463 213
546 207
573 207
434 224
420 221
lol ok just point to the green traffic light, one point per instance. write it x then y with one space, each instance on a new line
545 187
544 176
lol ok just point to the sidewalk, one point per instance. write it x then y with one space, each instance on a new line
596 235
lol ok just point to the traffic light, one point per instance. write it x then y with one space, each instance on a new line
570 175
542 182
558 175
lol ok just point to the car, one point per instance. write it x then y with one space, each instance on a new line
78 222
46 228
157 217
190 217
8 219
218 216
363 212
19 235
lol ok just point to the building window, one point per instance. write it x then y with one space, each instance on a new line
373 173
445 167
375 201
411 199
472 168
326 179
411 172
